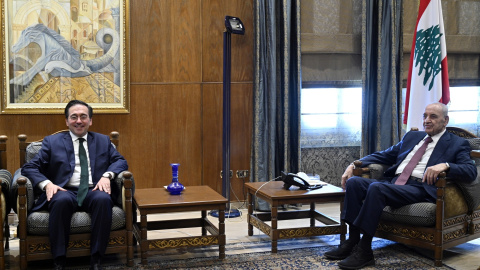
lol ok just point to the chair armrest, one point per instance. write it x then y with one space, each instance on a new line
374 171
442 180
17 187
5 183
441 184
123 188
358 170
21 206
5 179
126 187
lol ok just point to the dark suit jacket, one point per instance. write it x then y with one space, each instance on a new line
56 161
450 148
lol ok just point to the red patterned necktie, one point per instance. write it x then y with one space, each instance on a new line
407 171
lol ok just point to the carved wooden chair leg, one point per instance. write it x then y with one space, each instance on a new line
7 235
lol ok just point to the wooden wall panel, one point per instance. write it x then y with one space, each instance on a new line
35 126
214 12
165 127
212 135
166 39
240 135
176 75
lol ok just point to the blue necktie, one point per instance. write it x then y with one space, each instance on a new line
83 187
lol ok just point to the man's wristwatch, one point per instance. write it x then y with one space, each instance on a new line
108 175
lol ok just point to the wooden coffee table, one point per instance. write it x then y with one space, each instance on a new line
193 198
274 193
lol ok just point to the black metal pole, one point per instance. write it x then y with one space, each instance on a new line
227 66
234 25
227 71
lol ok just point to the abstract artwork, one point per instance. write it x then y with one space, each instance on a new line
58 50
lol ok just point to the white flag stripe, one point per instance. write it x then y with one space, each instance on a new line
425 85
432 16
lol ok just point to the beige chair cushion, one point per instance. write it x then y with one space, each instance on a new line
37 222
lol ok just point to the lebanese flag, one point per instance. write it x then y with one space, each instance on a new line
428 71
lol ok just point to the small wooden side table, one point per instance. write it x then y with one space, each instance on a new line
193 198
274 193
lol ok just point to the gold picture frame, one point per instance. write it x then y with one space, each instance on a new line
54 51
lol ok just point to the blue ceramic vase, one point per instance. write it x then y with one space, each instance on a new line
175 188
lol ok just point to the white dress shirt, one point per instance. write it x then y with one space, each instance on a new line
75 180
421 166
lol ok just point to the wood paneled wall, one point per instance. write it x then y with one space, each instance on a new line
176 73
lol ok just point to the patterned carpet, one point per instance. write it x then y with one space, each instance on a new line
388 255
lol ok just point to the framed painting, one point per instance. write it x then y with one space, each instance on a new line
54 51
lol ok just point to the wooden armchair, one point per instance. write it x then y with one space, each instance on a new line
5 181
33 227
454 219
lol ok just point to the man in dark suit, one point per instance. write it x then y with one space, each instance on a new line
366 198
57 171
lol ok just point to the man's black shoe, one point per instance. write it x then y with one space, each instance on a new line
59 263
96 266
342 251
58 266
359 259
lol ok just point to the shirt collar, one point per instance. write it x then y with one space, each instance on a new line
75 137
436 137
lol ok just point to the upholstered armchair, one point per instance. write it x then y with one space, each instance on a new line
33 227
5 181
454 218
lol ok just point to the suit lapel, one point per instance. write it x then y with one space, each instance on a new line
440 148
411 144
68 144
92 153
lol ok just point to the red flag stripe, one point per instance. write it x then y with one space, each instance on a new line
445 84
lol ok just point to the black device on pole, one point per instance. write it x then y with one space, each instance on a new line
233 26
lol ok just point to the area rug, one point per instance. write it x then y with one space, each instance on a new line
388 255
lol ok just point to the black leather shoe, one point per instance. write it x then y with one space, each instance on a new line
342 251
359 259
96 266
59 263
58 266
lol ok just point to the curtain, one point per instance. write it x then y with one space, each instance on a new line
277 85
381 70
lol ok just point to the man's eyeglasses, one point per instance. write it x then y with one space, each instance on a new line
75 117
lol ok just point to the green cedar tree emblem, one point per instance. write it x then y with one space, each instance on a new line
428 53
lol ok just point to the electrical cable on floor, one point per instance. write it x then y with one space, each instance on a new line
243 191
255 195
238 208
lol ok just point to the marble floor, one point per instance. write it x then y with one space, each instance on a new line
465 256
